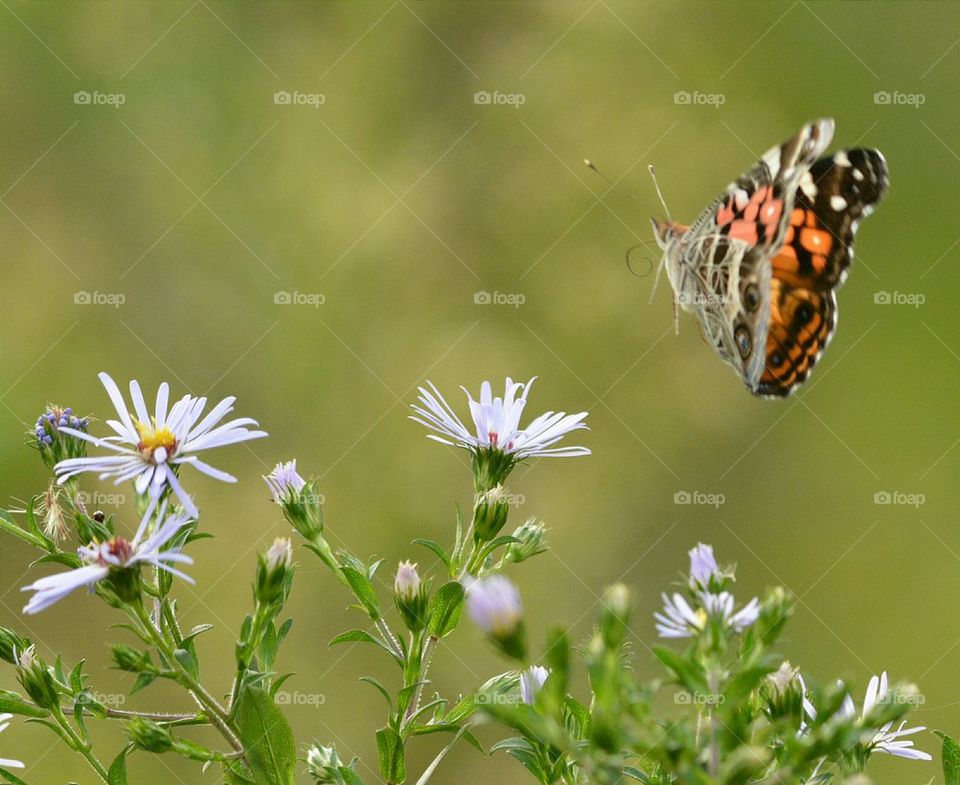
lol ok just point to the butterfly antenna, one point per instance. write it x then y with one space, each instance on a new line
612 185
656 185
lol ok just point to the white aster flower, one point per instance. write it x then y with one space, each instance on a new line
885 739
532 681
7 763
496 423
680 620
99 558
284 481
149 449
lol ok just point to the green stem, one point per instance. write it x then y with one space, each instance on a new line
429 645
214 711
80 745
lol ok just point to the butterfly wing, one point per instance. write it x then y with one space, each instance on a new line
817 250
726 252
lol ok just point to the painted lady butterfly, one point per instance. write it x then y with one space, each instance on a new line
761 265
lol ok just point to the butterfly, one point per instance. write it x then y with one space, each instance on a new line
760 266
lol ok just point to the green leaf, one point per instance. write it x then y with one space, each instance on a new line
390 756
7 777
438 549
118 769
381 689
688 674
363 590
350 777
951 760
446 609
187 661
267 739
360 636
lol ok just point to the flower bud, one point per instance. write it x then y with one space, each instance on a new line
54 445
615 615
494 605
490 514
10 644
411 596
704 568
531 681
532 540
149 735
130 659
301 503
323 764
37 679
275 572
52 513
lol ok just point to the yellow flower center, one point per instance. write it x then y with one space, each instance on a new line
151 438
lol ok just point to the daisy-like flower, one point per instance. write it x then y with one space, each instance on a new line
494 605
150 449
496 423
680 620
8 763
100 559
885 739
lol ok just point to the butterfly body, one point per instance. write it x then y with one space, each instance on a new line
761 265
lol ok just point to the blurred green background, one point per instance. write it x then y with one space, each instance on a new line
385 187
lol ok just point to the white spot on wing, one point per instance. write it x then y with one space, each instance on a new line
840 158
857 175
807 186
838 203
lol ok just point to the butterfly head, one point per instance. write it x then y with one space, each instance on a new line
667 232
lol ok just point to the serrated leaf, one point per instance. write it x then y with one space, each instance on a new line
267 740
446 609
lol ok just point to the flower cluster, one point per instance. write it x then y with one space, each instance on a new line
708 600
